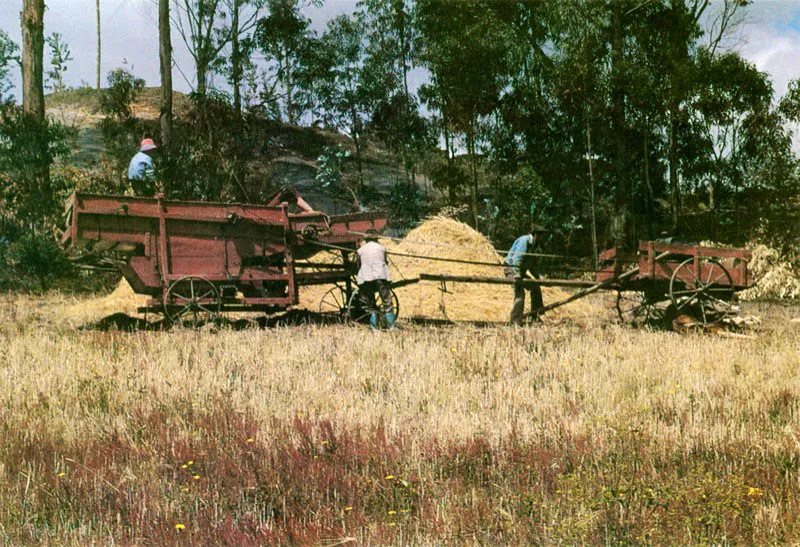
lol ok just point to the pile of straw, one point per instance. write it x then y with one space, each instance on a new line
774 278
447 238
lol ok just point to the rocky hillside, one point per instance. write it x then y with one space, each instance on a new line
294 150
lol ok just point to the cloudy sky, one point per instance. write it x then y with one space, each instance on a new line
770 37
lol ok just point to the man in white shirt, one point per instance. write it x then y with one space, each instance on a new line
373 277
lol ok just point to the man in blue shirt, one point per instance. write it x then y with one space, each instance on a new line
517 266
141 172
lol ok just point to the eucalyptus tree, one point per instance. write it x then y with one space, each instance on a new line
60 55
732 96
284 36
244 17
339 84
33 57
464 46
9 56
165 70
201 25
391 41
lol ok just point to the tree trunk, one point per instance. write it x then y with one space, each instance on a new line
648 184
673 167
236 61
473 172
33 57
451 184
618 128
356 132
591 188
165 55
202 71
287 78
98 45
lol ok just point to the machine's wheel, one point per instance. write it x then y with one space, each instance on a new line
334 302
638 309
356 313
192 299
708 291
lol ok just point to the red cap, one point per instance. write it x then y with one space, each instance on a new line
147 144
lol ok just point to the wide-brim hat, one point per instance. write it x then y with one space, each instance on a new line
147 145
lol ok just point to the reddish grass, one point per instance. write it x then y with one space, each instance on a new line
315 482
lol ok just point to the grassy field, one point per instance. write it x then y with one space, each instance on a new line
328 435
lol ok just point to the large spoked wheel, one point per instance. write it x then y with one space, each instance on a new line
638 309
193 300
334 303
707 290
356 313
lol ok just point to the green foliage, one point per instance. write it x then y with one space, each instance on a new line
285 38
28 147
123 89
38 256
60 55
331 166
9 56
122 132
208 159
406 204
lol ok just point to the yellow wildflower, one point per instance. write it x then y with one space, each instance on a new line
348 508
61 474
179 527
249 440
389 477
392 512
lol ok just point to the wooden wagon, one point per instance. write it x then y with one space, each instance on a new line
657 280
687 279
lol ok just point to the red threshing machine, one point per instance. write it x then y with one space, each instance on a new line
197 259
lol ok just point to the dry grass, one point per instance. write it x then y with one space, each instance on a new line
560 433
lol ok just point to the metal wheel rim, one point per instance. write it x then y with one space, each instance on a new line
356 316
201 303
702 293
638 309
334 301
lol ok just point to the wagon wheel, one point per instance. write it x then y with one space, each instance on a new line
709 290
637 308
356 313
192 299
334 302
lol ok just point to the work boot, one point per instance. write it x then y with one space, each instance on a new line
390 320
373 320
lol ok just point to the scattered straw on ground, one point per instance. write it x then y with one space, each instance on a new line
121 300
447 238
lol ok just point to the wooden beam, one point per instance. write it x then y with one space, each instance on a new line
504 281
